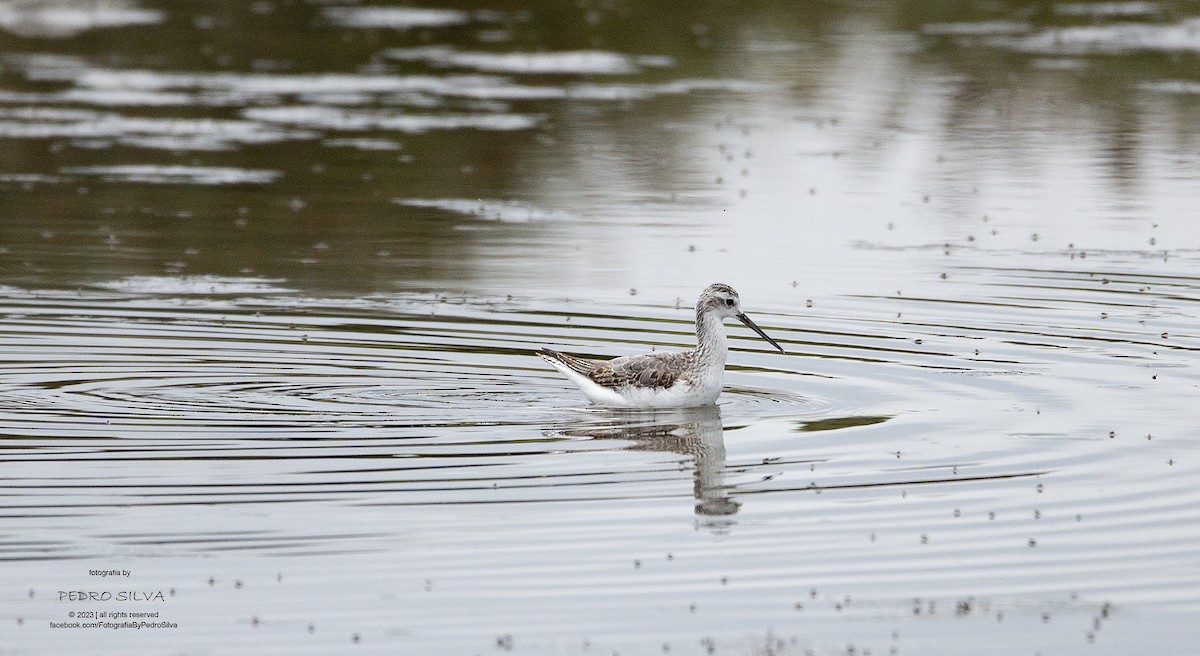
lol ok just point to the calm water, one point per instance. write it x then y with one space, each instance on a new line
272 274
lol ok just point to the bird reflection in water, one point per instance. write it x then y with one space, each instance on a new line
695 433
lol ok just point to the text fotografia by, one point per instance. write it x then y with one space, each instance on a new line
108 572
108 595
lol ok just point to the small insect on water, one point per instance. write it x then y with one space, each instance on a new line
664 380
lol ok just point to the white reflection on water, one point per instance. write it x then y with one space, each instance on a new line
399 18
224 88
1102 9
1182 37
160 133
335 102
506 212
196 175
66 18
315 116
975 28
201 285
580 63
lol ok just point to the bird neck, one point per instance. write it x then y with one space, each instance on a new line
710 338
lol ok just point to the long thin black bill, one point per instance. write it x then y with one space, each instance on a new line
753 326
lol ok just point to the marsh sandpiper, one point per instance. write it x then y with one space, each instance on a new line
664 380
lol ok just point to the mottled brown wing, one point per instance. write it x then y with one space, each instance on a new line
654 371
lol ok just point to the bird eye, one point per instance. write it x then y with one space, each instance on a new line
729 302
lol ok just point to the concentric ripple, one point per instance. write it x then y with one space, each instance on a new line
115 363
1013 434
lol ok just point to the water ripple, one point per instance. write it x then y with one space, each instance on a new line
149 394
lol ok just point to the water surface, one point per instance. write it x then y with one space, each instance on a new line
272 277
